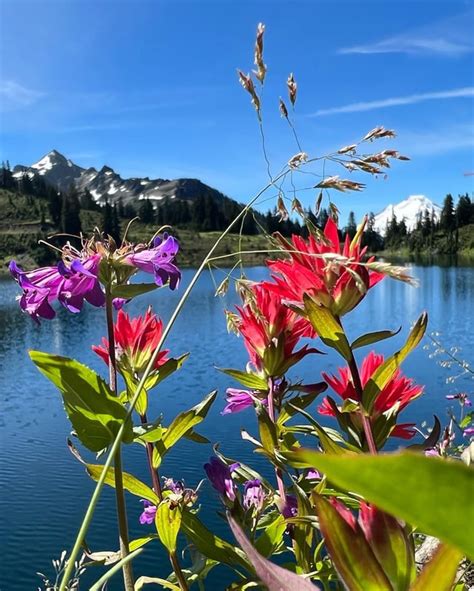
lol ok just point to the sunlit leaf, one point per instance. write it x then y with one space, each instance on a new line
373 337
249 380
385 372
209 544
180 426
95 413
440 572
168 522
431 493
272 536
327 326
133 485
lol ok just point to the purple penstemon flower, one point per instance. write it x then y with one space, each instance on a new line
254 495
469 432
158 260
69 285
147 517
220 476
237 400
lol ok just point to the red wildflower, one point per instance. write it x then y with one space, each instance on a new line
135 341
399 391
271 331
329 282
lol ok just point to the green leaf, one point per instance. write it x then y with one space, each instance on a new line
168 522
440 572
430 493
150 433
142 581
272 537
267 430
165 370
373 337
209 544
95 414
327 326
101 583
132 290
327 443
182 424
249 380
139 542
350 553
133 485
301 401
386 371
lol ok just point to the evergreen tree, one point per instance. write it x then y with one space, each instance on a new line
70 214
464 211
448 219
7 181
351 227
55 201
146 212
87 201
115 225
107 219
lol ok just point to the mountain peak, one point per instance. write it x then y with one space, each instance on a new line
409 209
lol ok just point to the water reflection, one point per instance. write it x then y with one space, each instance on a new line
35 461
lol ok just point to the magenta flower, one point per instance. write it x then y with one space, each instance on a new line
220 476
462 397
254 495
149 512
432 452
468 432
238 400
70 286
290 508
158 261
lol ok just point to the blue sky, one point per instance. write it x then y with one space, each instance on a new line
150 88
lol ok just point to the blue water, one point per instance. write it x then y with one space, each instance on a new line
44 490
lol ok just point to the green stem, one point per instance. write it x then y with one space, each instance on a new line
360 390
271 413
118 438
155 479
118 472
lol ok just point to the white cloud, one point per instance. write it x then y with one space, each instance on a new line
451 37
16 96
397 101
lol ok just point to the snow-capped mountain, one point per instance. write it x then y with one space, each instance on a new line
106 184
409 209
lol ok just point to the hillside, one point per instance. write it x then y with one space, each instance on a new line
24 221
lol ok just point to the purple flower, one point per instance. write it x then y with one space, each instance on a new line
149 512
291 507
237 400
313 474
158 261
176 487
68 285
220 477
254 495
468 432
462 397
432 452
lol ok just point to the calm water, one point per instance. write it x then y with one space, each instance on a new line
44 491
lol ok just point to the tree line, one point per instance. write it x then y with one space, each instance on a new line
210 213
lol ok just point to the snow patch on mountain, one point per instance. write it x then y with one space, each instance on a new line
409 209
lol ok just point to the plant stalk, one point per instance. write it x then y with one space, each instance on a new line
271 413
155 479
369 437
118 472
